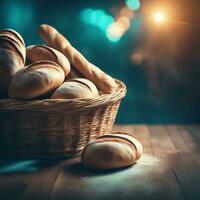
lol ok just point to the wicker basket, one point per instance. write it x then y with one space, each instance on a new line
51 127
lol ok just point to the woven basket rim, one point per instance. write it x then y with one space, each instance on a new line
64 104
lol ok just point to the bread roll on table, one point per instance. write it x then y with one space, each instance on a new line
39 78
56 40
111 151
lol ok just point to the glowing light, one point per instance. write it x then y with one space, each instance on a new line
159 16
85 15
113 29
133 4
113 39
126 12
114 32
124 23
137 58
97 18
104 22
96 15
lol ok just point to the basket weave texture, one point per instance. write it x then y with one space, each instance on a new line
55 127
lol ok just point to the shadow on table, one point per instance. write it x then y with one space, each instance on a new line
78 169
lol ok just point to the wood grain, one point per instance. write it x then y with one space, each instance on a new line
168 169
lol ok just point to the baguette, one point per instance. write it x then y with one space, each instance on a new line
56 40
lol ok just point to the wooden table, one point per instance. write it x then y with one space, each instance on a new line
169 169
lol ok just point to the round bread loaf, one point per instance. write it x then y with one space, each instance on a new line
39 78
111 151
9 43
14 34
87 83
10 63
15 37
42 52
76 88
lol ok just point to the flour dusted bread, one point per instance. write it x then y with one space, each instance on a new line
42 52
38 78
56 40
77 88
111 151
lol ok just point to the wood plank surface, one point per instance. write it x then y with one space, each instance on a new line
168 169
185 167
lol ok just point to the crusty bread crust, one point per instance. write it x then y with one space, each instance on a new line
111 151
77 88
10 63
9 43
43 52
11 32
37 79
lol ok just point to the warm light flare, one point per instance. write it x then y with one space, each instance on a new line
159 16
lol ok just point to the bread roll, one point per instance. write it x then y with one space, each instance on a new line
54 39
111 151
39 78
14 34
10 63
42 52
88 83
76 88
12 45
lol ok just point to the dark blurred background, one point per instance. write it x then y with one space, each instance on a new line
158 62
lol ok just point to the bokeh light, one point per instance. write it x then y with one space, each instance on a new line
85 15
114 32
97 18
96 15
104 22
126 12
114 29
133 4
159 16
112 38
137 58
124 23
